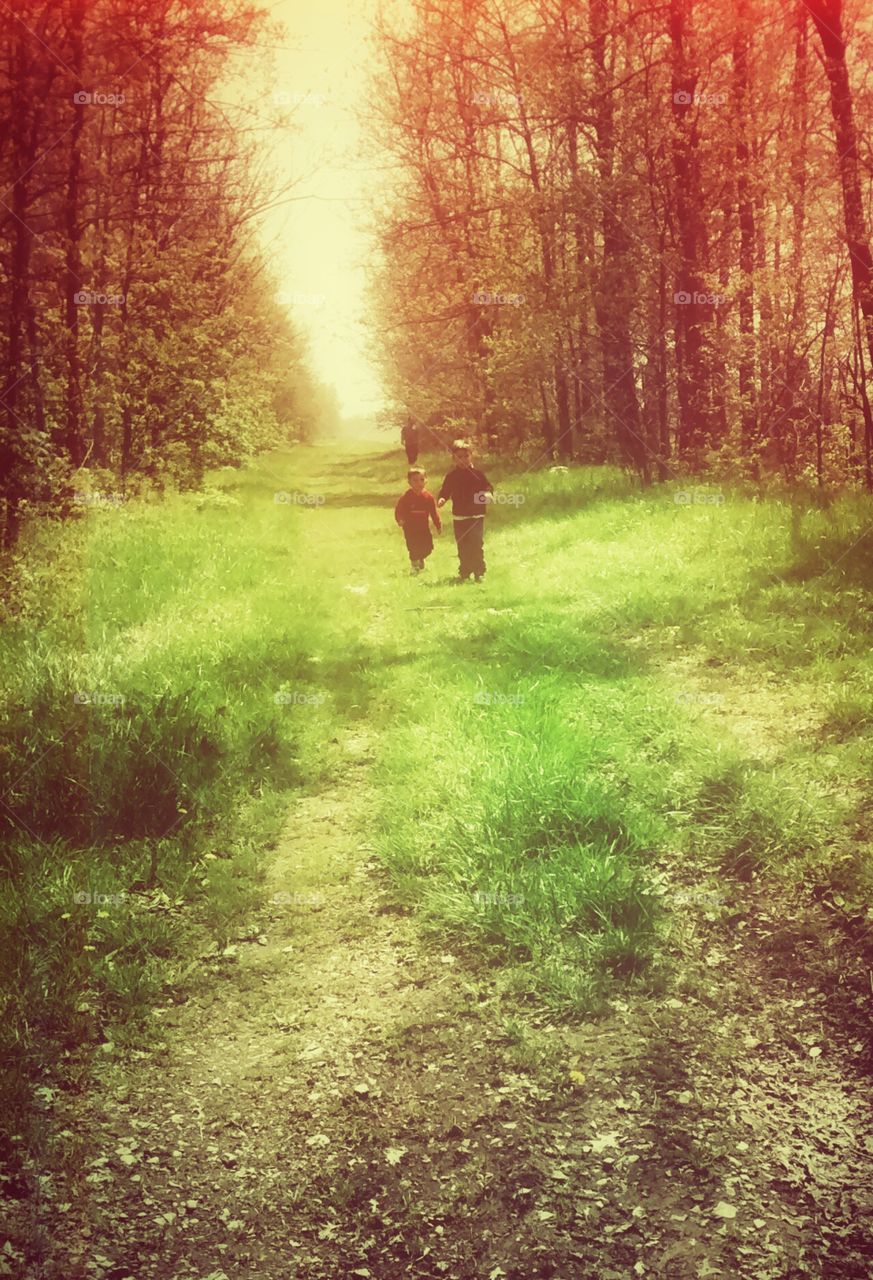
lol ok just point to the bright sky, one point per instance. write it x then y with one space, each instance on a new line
320 245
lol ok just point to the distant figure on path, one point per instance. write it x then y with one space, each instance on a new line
470 491
409 440
414 513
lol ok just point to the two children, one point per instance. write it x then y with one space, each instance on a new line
470 491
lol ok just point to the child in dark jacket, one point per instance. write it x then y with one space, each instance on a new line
414 513
470 491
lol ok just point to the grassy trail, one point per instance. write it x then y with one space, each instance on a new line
524 996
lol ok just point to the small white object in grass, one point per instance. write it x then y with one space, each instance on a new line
724 1210
359 591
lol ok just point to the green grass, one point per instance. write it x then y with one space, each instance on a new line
168 682
644 664
642 692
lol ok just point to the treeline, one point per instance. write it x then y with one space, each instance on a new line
141 337
632 232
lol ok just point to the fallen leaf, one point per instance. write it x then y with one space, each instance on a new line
600 1144
724 1210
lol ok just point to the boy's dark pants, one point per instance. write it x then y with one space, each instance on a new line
419 541
470 537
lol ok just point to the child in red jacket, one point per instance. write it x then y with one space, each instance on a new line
414 512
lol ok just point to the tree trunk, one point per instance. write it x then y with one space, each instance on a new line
693 312
74 438
827 16
746 220
614 295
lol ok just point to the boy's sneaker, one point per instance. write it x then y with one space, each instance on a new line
479 577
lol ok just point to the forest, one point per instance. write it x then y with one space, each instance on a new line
143 340
370 906
633 233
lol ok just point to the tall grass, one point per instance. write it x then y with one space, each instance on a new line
163 690
643 684
635 656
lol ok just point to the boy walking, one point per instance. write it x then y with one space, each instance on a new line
414 513
470 491
409 440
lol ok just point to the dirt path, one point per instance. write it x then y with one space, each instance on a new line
340 1098
342 1101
